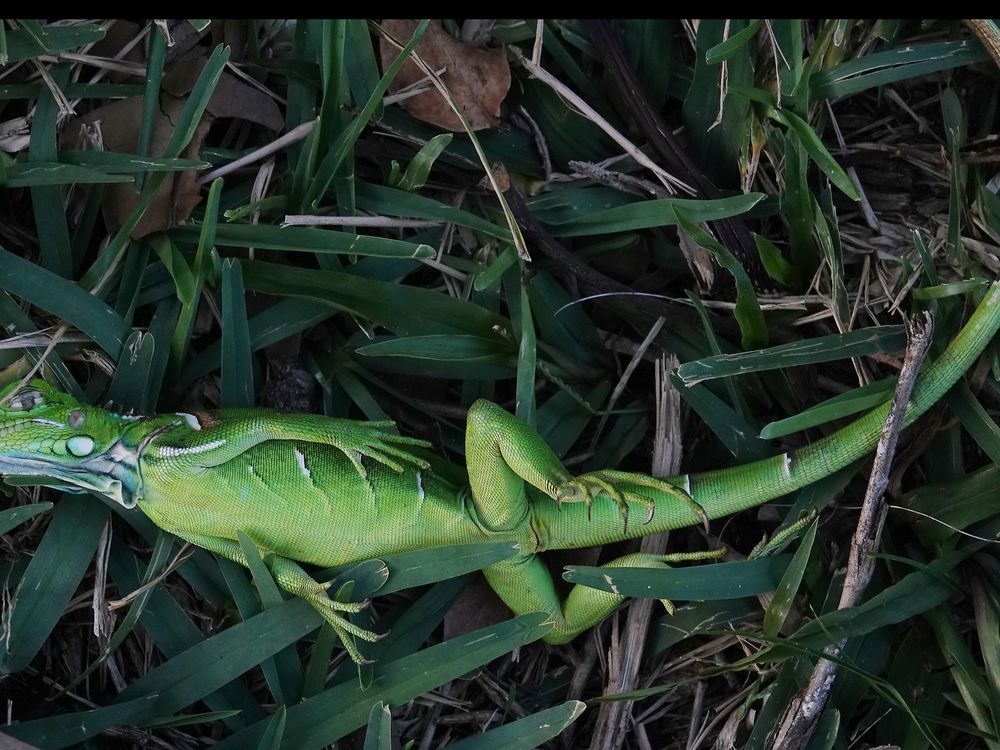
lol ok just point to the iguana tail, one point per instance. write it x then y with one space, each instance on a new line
726 491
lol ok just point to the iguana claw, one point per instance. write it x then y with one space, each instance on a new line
586 487
346 630
374 441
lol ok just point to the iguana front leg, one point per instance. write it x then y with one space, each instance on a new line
220 438
293 579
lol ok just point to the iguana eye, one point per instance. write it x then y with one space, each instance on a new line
76 418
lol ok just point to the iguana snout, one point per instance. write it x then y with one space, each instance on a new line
47 434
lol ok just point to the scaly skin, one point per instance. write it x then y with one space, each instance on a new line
328 492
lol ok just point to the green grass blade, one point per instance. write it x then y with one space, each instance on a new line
330 715
774 262
944 508
954 127
345 142
237 369
128 388
717 124
893 65
54 732
977 422
404 310
151 95
747 311
843 405
526 733
417 623
184 129
361 64
718 581
64 299
15 320
788 589
420 567
527 353
916 593
275 731
728 48
47 198
817 151
656 213
50 175
445 347
284 675
737 434
419 168
809 352
159 558
14 517
173 632
212 663
161 327
309 240
285 318
378 735
697 618
116 161
22 44
51 578
987 612
390 201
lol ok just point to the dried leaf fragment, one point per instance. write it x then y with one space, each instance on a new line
478 79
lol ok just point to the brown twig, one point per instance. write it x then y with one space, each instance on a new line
803 713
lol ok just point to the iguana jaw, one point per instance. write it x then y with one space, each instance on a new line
113 474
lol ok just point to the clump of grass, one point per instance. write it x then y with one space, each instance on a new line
696 188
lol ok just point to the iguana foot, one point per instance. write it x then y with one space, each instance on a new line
372 440
586 487
346 630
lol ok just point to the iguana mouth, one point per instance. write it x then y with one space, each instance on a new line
81 475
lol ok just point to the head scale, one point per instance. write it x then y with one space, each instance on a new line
47 433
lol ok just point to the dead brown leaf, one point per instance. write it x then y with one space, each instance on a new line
119 124
478 79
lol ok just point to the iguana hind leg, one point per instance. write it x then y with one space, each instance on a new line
290 576
525 585
502 453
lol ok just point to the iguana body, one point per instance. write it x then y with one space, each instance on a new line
314 490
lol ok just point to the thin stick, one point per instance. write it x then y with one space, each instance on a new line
803 713
668 180
536 48
182 554
615 717
381 222
292 136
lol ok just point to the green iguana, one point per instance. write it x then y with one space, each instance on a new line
311 489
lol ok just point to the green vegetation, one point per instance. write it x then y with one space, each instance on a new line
197 214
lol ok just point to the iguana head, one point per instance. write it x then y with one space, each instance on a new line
47 433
